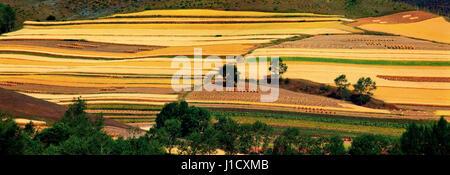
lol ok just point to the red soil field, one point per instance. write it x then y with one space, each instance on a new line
22 105
415 79
403 17
80 45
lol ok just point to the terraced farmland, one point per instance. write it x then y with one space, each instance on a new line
122 65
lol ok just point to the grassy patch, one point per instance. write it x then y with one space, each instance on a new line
315 132
362 121
336 127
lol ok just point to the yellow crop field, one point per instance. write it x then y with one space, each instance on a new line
161 40
24 57
118 102
207 12
419 96
267 28
221 49
77 84
187 20
147 63
435 29
326 72
103 96
443 112
93 80
21 121
366 54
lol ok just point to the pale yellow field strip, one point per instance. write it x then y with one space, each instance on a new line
119 102
88 69
77 84
222 50
93 80
326 73
207 12
188 29
443 112
413 96
147 63
435 29
346 107
367 54
170 38
73 61
187 20
163 40
106 96
22 121
96 111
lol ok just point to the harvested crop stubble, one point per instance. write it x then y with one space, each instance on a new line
415 96
62 60
221 50
93 80
327 72
127 33
164 41
443 113
89 69
214 13
180 29
184 20
47 89
398 18
21 121
363 42
77 45
119 102
286 99
435 29
415 79
363 54
106 95
75 84
108 111
130 116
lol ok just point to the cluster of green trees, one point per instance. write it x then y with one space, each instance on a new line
361 90
7 18
75 134
191 131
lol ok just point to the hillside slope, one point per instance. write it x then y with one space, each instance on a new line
82 9
25 106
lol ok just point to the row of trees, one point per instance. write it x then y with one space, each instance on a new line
7 18
361 90
192 132
185 129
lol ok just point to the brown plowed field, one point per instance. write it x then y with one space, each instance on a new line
22 105
285 97
415 79
363 42
46 89
79 45
403 17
